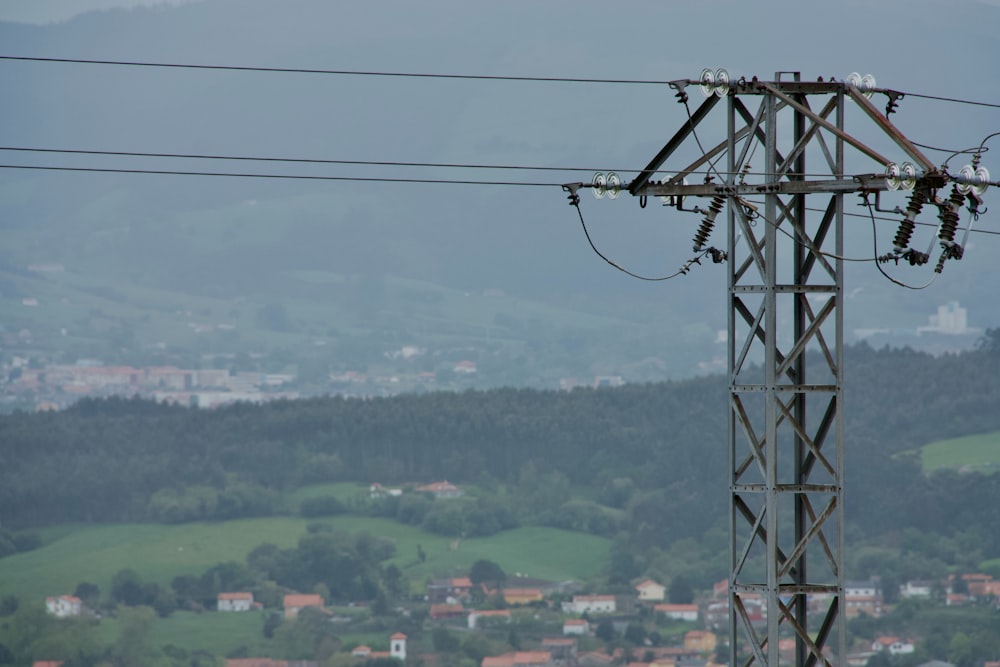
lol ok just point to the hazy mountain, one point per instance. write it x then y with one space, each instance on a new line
266 241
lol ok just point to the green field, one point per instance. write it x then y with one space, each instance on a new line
222 633
980 453
342 491
159 553
217 633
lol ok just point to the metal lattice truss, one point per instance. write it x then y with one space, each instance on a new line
785 333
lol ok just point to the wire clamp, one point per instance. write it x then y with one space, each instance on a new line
573 197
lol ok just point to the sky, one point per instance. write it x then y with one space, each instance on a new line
394 119
49 11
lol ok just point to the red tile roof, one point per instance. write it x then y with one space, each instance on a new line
438 487
445 610
518 658
298 600
236 596
886 640
255 662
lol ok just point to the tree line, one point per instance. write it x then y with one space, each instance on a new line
652 458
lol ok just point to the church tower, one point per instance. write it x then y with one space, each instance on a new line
397 646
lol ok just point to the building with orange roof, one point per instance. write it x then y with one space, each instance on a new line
443 489
522 595
702 641
442 611
64 606
650 591
449 590
519 659
594 659
296 602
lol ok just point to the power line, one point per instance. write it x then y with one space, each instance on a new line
248 158
374 163
878 265
419 75
574 201
342 72
439 181
887 219
953 99
365 179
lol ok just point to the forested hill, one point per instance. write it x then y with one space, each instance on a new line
657 452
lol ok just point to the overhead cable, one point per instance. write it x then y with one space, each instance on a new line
342 72
421 75
249 158
365 179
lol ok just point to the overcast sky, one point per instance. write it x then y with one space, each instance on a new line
487 123
47 11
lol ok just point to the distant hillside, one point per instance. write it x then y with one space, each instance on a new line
655 451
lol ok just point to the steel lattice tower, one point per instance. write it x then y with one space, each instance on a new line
785 347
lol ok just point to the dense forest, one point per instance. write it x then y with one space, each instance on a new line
648 461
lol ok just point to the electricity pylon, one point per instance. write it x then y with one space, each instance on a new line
785 331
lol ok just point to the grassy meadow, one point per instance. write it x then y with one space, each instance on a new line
980 453
216 633
94 553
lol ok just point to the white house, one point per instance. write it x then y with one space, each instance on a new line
861 589
678 612
378 491
576 626
916 589
651 591
64 605
894 645
590 604
863 597
235 601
